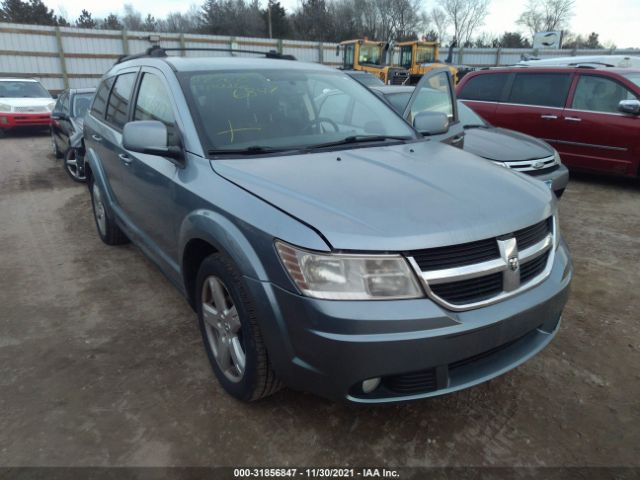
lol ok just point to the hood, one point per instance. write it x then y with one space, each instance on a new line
504 145
29 102
394 198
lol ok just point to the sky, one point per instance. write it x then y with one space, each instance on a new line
617 21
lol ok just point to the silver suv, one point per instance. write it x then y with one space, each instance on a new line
330 248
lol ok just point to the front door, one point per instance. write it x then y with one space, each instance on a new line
434 93
152 206
595 135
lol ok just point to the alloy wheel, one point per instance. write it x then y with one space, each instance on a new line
223 328
98 210
71 164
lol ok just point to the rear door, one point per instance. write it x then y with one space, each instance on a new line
595 134
534 104
482 92
434 93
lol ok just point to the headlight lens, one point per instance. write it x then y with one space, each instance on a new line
556 156
4 107
349 277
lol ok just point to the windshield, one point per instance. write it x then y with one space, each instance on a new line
425 55
468 116
81 104
368 80
633 77
280 109
370 54
18 89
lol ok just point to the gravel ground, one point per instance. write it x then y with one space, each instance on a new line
101 361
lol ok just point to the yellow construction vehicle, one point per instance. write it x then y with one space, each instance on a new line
420 57
370 56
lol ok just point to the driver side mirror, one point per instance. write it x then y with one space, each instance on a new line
629 106
431 123
150 137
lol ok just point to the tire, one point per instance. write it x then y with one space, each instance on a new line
256 379
71 165
109 232
54 148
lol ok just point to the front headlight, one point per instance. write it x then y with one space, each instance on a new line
349 277
50 106
5 107
556 156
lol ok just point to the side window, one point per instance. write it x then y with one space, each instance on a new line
544 89
119 99
599 94
58 106
485 87
153 103
99 105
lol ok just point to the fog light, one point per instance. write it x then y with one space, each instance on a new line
4 120
370 385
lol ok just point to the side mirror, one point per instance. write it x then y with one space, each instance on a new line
629 106
150 137
431 123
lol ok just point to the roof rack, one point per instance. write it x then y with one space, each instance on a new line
161 52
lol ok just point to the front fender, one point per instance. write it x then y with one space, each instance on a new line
100 178
221 233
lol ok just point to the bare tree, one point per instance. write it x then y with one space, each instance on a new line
465 16
441 22
546 15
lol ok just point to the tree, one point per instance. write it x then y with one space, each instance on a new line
465 16
280 27
111 22
593 41
33 12
132 18
179 22
313 21
150 23
546 15
85 20
513 40
441 22
232 17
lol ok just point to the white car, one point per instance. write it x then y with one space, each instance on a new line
24 102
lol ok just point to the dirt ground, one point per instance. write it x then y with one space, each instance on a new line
101 361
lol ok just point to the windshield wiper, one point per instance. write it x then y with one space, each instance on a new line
252 150
358 139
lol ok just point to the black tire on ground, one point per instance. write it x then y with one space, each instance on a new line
259 379
73 169
109 231
54 148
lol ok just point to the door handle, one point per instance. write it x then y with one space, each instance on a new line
97 138
126 159
573 119
549 117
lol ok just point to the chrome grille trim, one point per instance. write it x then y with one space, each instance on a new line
528 165
449 275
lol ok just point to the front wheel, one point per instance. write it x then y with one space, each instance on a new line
54 147
230 331
73 166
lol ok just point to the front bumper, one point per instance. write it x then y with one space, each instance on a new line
559 179
11 120
330 347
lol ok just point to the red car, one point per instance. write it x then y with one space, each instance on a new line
590 115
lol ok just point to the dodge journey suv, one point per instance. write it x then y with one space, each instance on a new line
341 254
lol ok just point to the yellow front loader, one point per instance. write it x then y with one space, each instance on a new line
370 56
420 57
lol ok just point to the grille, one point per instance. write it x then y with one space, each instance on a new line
533 234
544 165
533 267
456 255
35 109
469 291
416 382
485 354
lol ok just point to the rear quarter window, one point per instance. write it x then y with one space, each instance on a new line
484 87
118 107
543 89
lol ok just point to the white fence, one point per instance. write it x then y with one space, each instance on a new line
76 57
